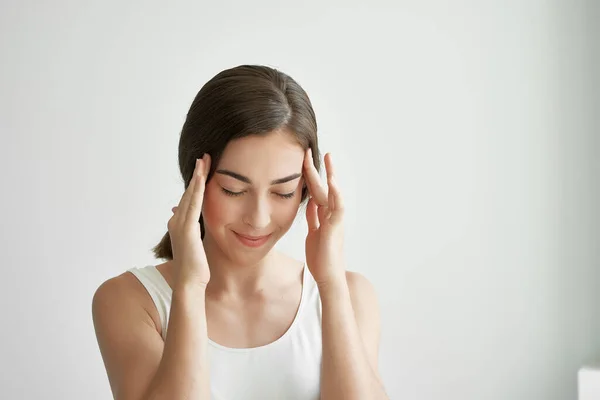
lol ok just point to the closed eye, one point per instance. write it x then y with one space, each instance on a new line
236 194
287 195
232 194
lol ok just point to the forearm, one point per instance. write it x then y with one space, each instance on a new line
346 372
183 372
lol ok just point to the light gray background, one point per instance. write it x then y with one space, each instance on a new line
466 136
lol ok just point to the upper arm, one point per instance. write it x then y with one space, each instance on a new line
129 343
366 312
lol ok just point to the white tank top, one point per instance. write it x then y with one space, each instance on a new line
287 369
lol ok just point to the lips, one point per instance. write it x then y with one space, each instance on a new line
253 237
252 241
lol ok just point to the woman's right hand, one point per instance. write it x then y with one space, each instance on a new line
189 257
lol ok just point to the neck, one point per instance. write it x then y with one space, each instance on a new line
244 277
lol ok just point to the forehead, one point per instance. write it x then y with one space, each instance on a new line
263 157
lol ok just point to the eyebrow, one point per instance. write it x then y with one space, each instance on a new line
247 180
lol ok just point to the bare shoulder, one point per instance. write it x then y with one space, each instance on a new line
124 290
124 293
114 286
111 292
361 288
366 311
364 299
127 336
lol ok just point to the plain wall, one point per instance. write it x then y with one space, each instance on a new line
466 136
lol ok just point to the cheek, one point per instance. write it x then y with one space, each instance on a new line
215 210
287 213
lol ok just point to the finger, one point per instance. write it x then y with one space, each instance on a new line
329 171
336 202
185 199
323 212
313 180
195 207
311 215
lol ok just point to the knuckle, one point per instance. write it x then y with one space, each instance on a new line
174 223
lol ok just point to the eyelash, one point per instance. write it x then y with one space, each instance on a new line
236 194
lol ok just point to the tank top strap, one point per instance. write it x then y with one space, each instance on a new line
311 293
158 289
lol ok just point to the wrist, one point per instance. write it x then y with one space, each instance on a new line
333 287
185 280
189 288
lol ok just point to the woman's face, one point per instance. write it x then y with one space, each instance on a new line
255 192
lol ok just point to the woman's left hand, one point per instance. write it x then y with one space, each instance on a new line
324 215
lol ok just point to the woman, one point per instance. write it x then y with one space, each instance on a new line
244 321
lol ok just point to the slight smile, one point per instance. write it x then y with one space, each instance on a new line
252 241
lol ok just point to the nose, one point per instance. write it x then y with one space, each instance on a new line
258 216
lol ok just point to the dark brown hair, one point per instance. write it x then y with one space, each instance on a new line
238 102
